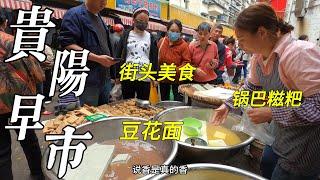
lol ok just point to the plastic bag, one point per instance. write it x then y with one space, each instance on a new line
227 79
116 93
262 132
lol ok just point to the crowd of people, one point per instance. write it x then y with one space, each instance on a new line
209 53
264 47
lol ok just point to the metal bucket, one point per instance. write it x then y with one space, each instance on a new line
169 104
212 171
256 150
187 153
109 129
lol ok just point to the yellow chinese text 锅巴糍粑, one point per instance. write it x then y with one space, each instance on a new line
241 98
258 99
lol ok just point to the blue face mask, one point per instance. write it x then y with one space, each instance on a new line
174 36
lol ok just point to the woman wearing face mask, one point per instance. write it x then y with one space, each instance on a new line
173 49
138 46
281 63
204 54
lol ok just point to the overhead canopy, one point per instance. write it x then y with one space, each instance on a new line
26 5
156 26
59 13
152 25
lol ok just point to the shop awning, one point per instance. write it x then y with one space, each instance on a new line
156 26
109 21
187 30
57 12
279 7
26 5
16 4
227 31
152 25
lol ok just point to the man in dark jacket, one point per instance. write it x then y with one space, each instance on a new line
216 33
83 27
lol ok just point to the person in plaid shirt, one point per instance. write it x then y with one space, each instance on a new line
17 77
281 63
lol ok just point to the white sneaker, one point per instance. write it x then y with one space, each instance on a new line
47 102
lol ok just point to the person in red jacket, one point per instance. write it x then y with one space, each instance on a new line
229 62
173 49
204 55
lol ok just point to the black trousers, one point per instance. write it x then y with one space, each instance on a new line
165 92
237 75
219 79
47 85
30 148
131 88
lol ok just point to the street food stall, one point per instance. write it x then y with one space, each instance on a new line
200 142
107 157
124 108
206 95
215 132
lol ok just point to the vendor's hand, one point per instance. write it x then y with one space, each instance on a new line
238 64
260 115
212 64
220 115
106 61
117 81
200 72
155 83
237 61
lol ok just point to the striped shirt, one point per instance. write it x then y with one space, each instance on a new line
296 129
68 98
299 69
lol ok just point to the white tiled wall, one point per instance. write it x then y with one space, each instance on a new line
309 25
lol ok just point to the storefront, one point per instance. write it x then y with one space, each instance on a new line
280 7
116 12
157 9
190 21
228 31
